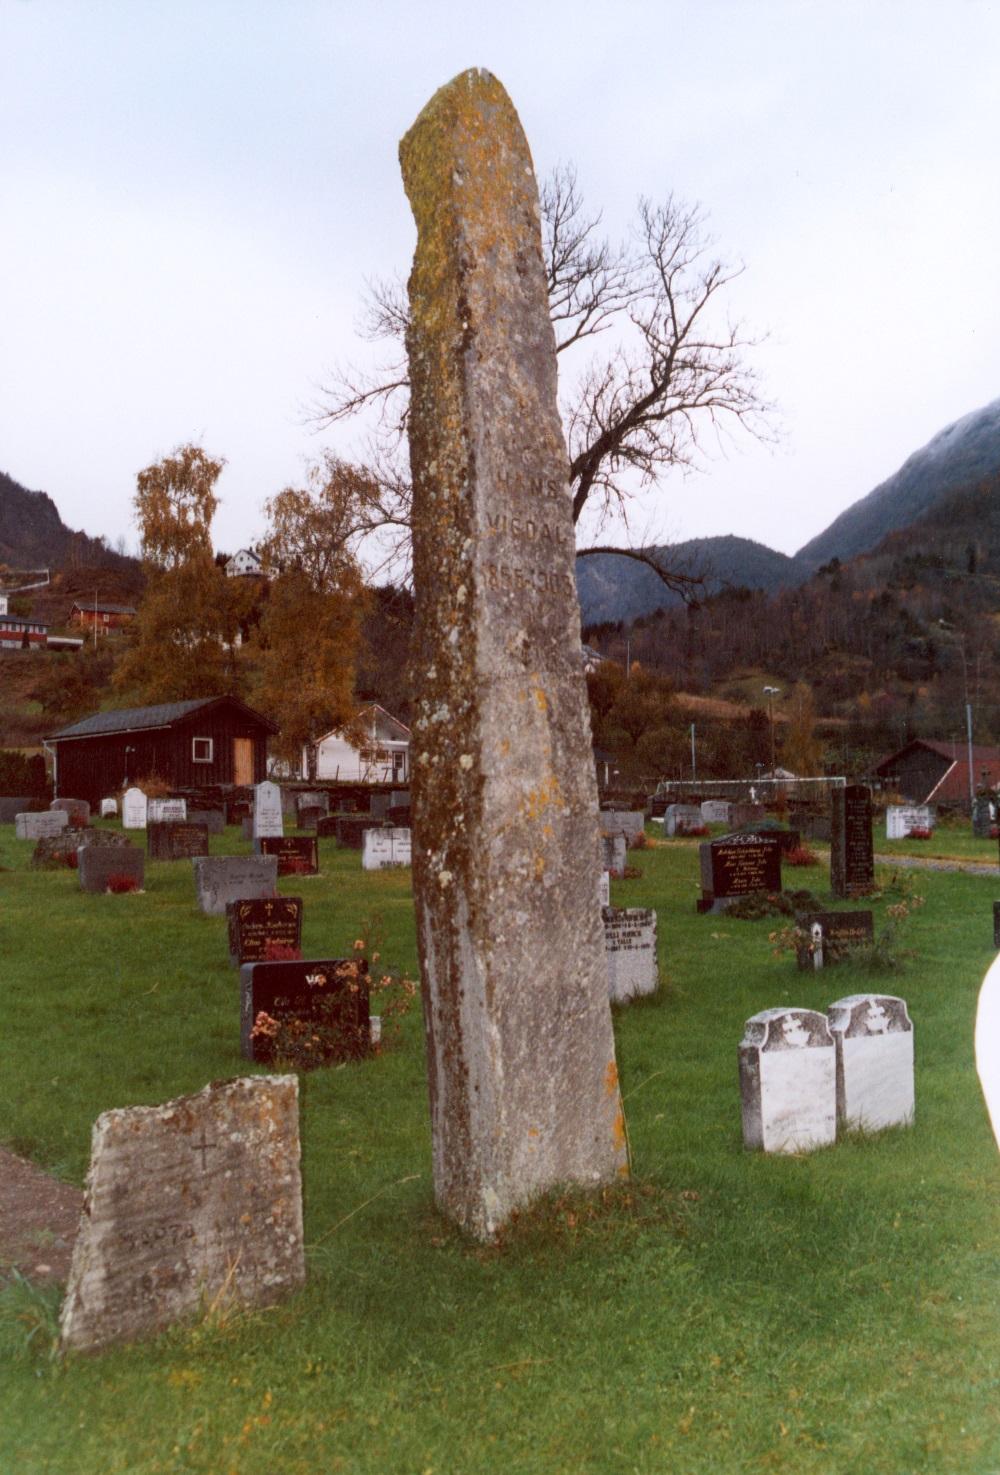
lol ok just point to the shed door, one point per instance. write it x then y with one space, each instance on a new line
243 760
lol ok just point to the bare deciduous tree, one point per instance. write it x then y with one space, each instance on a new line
674 372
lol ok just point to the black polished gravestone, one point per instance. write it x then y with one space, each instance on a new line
297 855
852 858
736 865
326 827
351 829
315 1010
841 931
176 840
255 926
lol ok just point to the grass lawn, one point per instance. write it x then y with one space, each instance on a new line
836 1312
950 841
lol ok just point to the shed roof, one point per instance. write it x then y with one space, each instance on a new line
90 605
165 714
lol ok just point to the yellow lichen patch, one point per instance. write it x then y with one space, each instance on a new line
547 796
539 867
611 1078
541 700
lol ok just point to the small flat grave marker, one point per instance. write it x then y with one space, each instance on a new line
874 1039
166 811
99 865
736 865
716 812
297 855
221 879
788 1069
40 826
176 840
630 948
189 1201
135 809
256 925
267 816
839 932
384 848
326 997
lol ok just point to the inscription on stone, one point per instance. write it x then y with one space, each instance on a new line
267 816
254 926
174 840
788 1085
630 946
852 858
39 826
735 865
320 1001
839 932
385 848
135 808
166 811
874 1039
220 879
297 855
902 819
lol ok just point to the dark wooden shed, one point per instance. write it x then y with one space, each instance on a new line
207 743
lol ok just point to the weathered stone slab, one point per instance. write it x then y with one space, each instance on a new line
267 816
384 848
630 947
312 799
166 811
197 1199
61 850
256 926
220 879
109 808
630 823
716 812
322 1001
135 809
852 856
297 855
736 865
76 810
874 1039
40 826
788 1081
523 1080
176 840
214 820
614 855
901 819
681 818
98 865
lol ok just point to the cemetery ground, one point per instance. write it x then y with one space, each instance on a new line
721 1311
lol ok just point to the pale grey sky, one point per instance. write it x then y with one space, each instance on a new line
193 192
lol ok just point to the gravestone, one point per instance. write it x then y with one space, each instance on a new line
839 932
745 814
189 1203
326 827
246 827
109 808
297 855
307 819
255 925
11 807
328 996
175 840
736 865
267 816
604 890
680 818
982 816
614 857
166 811
135 809
41 825
98 865
716 812
788 1081
522 1073
630 823
852 859
874 1040
385 848
351 829
312 799
220 879
900 819
630 948
54 851
214 820
380 806
400 815
77 810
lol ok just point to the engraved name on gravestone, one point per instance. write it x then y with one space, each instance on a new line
175 840
716 812
187 1203
735 865
839 932
54 851
254 926
166 811
297 855
41 825
522 1074
99 865
874 1039
788 1088
135 807
220 879
325 1000
852 857
384 848
901 819
630 946
267 816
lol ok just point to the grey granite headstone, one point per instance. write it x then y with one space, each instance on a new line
384 848
614 856
220 879
681 818
982 816
788 1085
98 865
522 1072
53 851
874 1039
628 822
716 812
267 816
194 1201
313 799
135 809
214 820
77 810
630 947
40 826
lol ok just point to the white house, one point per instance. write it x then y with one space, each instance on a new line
243 563
381 755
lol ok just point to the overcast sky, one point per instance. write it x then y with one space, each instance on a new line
194 191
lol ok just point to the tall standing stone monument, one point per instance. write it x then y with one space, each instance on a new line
852 860
523 1081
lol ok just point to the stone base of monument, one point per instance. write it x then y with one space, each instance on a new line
788 1071
874 1041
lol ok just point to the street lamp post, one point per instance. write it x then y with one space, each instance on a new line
959 639
771 692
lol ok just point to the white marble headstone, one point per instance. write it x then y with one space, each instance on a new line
788 1081
267 816
382 848
109 808
135 807
716 812
630 949
874 1039
900 819
604 889
167 811
40 826
988 1044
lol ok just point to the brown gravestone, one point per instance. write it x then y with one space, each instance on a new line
852 860
194 1201
522 1073
297 855
256 925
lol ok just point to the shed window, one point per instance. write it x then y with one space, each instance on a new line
201 750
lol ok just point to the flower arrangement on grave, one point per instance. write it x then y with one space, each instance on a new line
692 832
919 832
800 856
119 883
295 865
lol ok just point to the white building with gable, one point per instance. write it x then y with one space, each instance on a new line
378 752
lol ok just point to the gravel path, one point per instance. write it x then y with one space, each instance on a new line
918 863
39 1219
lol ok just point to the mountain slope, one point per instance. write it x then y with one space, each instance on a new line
957 456
33 535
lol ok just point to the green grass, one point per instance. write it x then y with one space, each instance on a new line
725 1312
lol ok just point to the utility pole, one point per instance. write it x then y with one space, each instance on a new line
771 692
694 764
